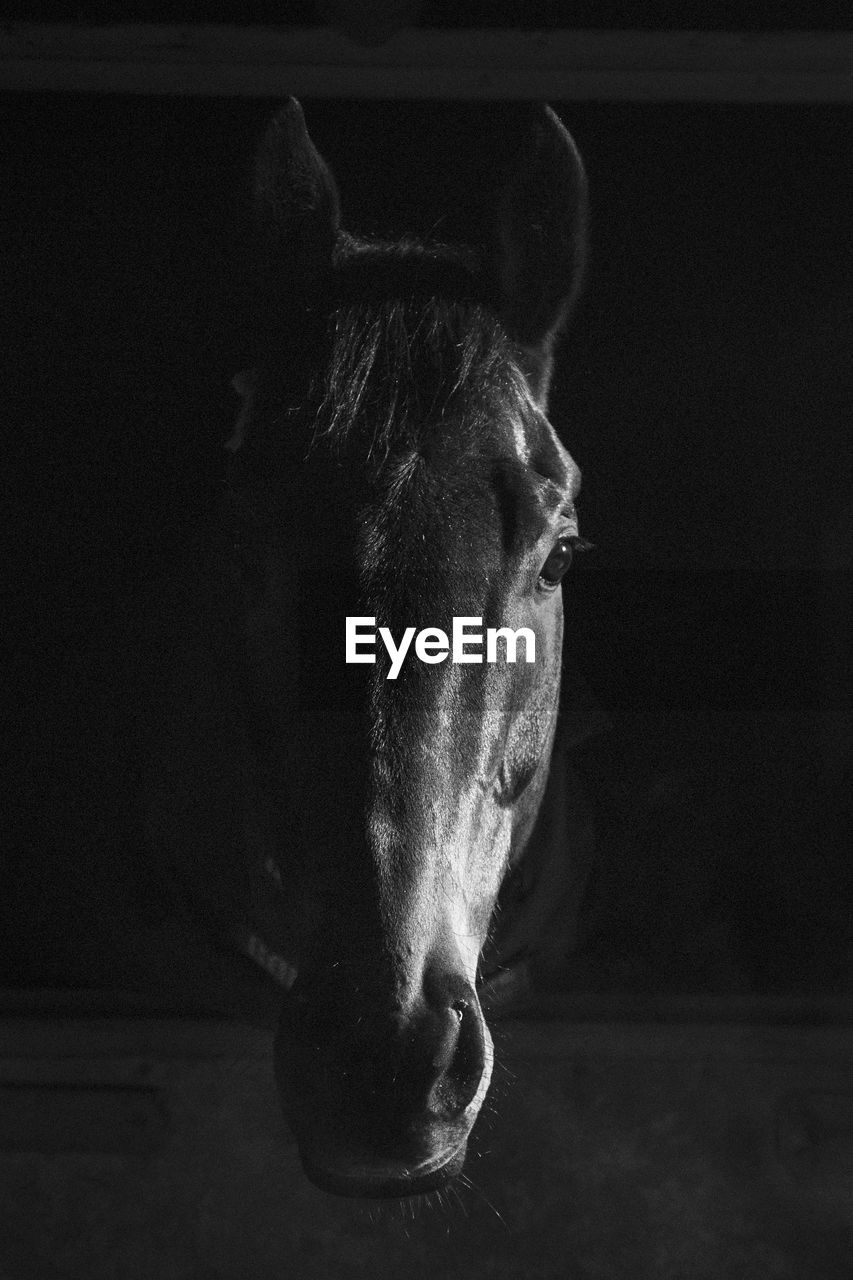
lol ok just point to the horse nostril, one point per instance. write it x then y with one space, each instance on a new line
463 1059
448 1023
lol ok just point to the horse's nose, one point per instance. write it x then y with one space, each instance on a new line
428 1062
382 1094
450 1055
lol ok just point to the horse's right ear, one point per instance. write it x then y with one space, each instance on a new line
297 208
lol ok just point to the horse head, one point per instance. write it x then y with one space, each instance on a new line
394 464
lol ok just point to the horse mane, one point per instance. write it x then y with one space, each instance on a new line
402 339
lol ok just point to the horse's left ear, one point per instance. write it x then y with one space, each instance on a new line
540 241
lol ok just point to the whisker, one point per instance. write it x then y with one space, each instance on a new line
478 1190
458 1198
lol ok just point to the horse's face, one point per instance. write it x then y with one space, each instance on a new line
414 481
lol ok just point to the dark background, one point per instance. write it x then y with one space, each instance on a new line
683 15
704 389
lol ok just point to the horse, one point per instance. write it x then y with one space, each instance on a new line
392 467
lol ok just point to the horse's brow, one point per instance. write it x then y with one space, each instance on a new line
558 494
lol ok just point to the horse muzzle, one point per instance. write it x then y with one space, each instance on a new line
382 1103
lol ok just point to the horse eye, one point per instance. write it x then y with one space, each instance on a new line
560 560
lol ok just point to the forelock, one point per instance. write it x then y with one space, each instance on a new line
409 349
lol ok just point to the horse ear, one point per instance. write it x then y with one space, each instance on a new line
297 207
539 244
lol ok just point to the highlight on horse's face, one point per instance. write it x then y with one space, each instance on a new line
396 449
